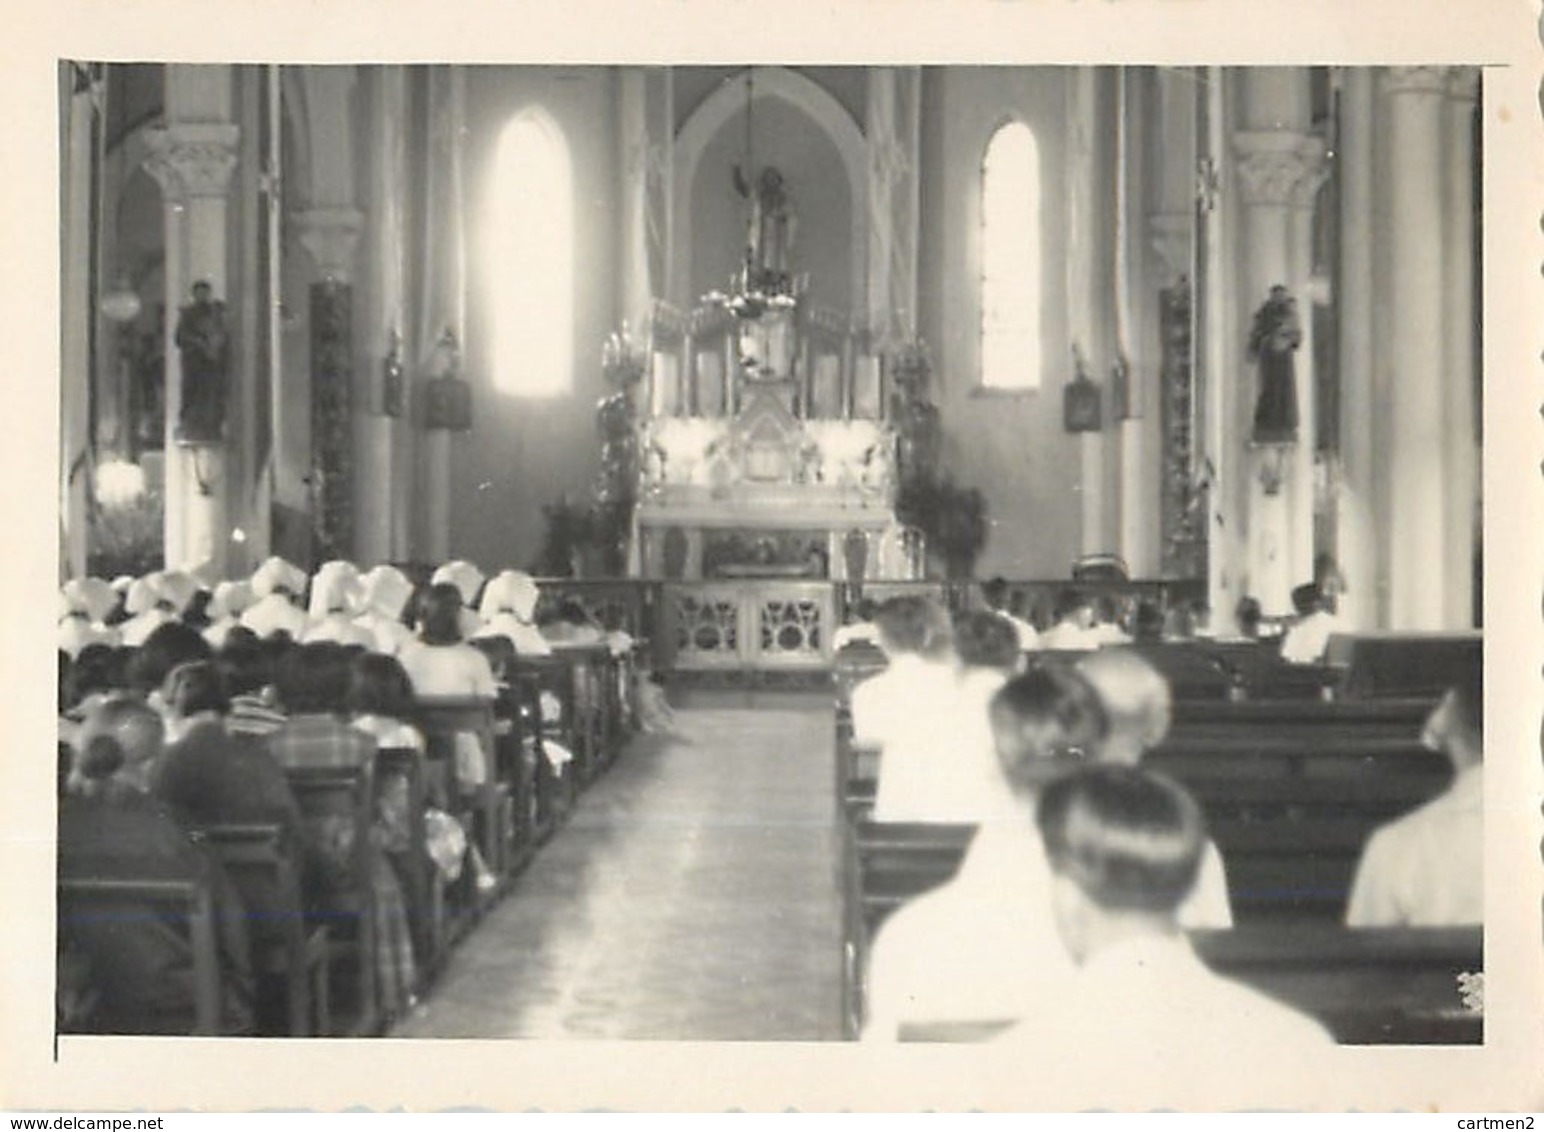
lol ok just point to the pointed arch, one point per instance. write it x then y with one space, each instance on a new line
531 260
810 99
1011 269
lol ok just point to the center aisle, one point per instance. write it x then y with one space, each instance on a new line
692 895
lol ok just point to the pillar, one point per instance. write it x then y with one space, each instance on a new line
380 526
1416 535
75 309
1276 160
1460 320
193 159
1357 544
330 236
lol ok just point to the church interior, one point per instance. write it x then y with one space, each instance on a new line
737 388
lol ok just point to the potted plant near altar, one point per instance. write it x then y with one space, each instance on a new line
952 519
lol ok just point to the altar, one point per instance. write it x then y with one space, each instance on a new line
765 454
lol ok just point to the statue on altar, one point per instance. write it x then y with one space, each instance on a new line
769 235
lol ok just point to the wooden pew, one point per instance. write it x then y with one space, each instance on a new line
491 807
429 910
1290 808
1396 986
260 860
185 904
337 806
551 678
1405 665
884 865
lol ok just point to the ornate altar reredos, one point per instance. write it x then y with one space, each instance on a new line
765 453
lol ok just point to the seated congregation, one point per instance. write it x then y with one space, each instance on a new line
1234 860
276 817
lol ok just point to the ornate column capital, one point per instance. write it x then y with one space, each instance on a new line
330 235
1463 84
193 159
1278 167
1170 237
1415 80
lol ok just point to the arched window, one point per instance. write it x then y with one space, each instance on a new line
1010 260
531 262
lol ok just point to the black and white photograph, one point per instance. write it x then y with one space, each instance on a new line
662 567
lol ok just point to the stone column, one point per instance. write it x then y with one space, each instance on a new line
193 161
1275 160
1357 537
75 311
892 127
330 236
380 527
1460 321
1417 534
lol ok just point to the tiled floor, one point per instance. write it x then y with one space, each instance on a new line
692 896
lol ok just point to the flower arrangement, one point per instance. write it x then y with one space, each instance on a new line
953 519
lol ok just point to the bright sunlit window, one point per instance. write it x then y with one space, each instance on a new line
531 264
1010 260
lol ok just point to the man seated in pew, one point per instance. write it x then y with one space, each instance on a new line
110 826
1074 624
980 953
954 776
1305 641
1124 848
994 591
1139 708
896 710
1108 626
859 627
1427 869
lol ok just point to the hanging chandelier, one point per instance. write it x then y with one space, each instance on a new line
762 283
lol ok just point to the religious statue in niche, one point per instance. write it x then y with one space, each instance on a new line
204 340
1274 338
769 236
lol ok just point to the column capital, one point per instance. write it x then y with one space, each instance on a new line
1278 167
330 235
1170 235
1463 84
1415 80
193 159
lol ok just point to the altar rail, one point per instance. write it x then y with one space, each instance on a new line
772 624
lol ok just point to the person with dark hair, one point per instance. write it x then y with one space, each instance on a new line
1149 624
994 591
978 954
440 662
1427 869
1309 636
1109 627
859 626
380 701
1074 622
140 963
1124 847
313 687
1249 616
896 710
247 667
168 646
208 775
